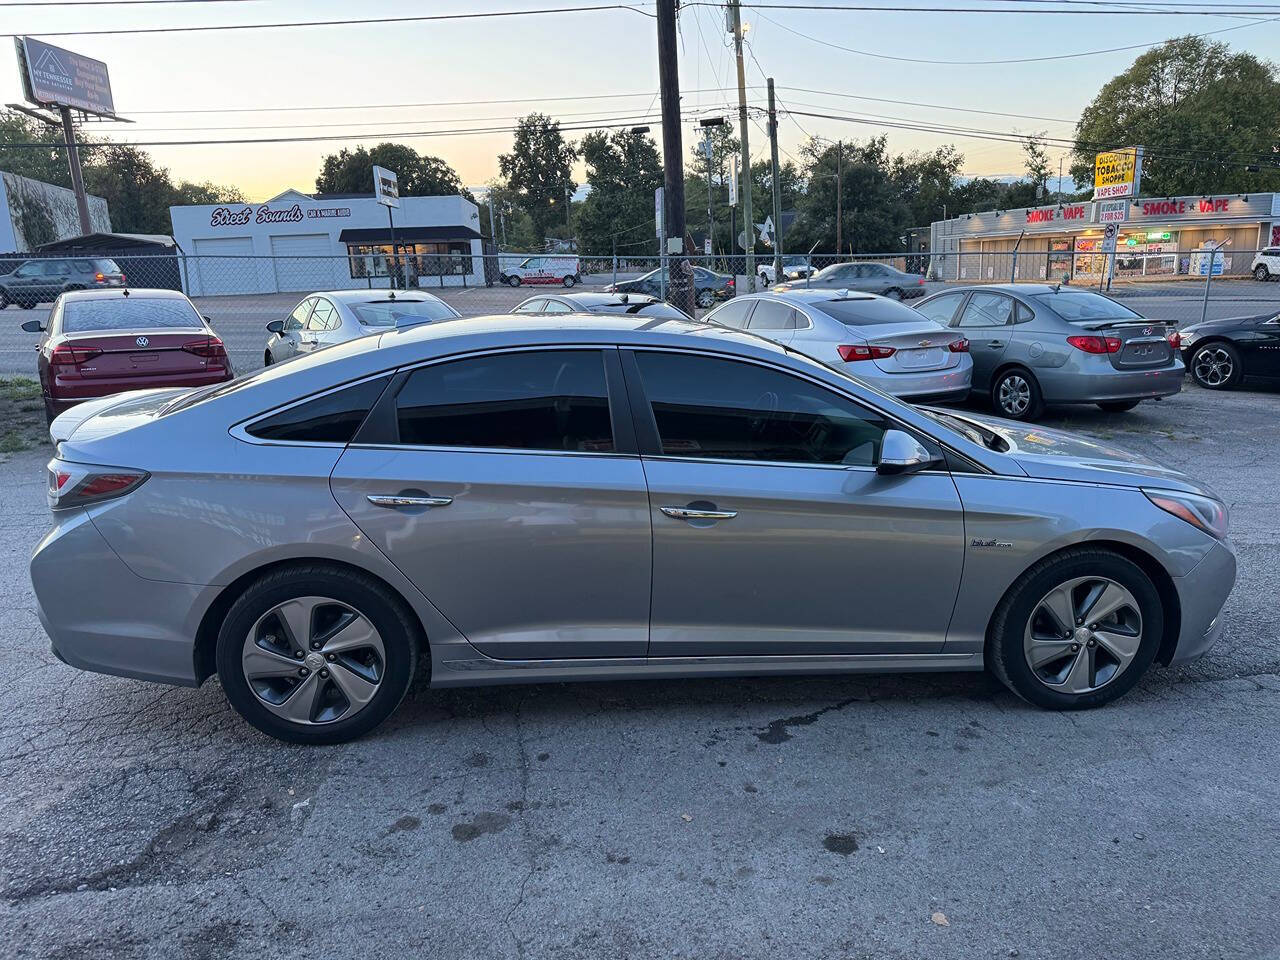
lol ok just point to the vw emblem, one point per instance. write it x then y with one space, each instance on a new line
142 342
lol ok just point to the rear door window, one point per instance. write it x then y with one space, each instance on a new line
323 316
772 315
733 314
555 306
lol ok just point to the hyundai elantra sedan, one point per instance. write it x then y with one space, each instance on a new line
514 499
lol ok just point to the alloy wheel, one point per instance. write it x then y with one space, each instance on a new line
313 660
704 299
1083 634
1014 395
1213 366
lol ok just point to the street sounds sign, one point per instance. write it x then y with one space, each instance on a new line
386 187
52 76
1117 173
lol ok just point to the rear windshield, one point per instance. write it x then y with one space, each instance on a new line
86 316
401 313
1079 306
865 311
650 309
102 265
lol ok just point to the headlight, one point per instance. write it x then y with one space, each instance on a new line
1188 337
1203 512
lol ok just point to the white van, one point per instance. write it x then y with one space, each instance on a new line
562 270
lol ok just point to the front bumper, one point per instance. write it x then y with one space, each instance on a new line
103 617
1201 594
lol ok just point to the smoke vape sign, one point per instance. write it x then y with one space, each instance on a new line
52 76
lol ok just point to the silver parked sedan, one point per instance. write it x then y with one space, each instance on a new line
878 340
324 319
1034 344
511 500
866 277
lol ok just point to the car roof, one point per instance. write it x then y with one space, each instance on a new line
374 295
814 295
1026 289
125 293
589 300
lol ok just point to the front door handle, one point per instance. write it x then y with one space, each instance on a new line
399 501
692 513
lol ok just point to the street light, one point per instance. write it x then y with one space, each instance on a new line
706 123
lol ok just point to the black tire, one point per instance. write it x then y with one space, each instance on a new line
893 293
1004 650
1216 365
513 281
267 359
394 622
1119 406
49 413
704 298
569 281
1003 399
1260 272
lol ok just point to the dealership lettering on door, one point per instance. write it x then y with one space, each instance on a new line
228 217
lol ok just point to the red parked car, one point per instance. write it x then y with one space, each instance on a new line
100 342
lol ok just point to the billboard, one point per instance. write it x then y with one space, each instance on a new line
1117 173
52 76
386 188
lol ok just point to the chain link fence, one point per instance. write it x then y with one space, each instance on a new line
241 294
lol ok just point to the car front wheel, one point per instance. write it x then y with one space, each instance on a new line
1016 395
513 281
1076 630
316 653
893 293
1216 366
1260 272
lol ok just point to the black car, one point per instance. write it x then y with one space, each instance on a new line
709 285
1219 353
42 281
625 303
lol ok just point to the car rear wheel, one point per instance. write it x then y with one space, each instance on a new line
316 654
1016 395
1076 630
569 281
1216 366
1119 406
893 293
705 298
267 359
513 281
1260 272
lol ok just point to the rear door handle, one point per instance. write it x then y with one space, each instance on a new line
690 513
995 344
399 501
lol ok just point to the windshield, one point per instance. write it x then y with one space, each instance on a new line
866 311
1077 306
86 316
401 313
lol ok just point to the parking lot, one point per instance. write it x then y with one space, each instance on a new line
923 816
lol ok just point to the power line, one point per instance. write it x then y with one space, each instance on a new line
381 21
1131 12
935 106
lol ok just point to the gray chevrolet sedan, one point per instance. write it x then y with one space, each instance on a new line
1035 344
517 499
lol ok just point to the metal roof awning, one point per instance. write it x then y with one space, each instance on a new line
405 234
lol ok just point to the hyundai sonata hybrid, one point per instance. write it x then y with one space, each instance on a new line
515 499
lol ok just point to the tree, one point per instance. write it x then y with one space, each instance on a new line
419 175
48 165
1037 161
512 227
929 182
875 212
539 169
623 170
1202 113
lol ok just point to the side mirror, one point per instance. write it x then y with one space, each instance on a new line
902 453
275 326
33 326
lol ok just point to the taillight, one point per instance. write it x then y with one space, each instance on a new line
1175 339
958 346
850 352
1096 344
99 278
730 282
920 282
68 355
211 348
78 484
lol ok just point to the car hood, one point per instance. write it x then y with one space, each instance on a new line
1061 455
1200 328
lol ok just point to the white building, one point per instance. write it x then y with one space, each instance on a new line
296 242
33 212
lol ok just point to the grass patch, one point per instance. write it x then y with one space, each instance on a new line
22 414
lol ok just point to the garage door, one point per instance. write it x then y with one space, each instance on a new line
223 265
303 262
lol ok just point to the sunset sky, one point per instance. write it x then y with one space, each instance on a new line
565 64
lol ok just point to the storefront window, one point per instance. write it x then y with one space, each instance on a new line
410 260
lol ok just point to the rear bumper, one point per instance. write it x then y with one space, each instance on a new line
103 617
1201 595
1072 385
952 383
66 393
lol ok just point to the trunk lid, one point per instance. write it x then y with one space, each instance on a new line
137 354
93 419
918 347
1144 344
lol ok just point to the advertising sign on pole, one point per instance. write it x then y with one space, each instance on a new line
386 188
657 211
52 76
733 184
1113 211
1117 173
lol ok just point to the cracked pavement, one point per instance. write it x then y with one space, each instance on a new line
798 817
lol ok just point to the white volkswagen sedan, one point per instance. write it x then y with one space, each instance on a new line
323 319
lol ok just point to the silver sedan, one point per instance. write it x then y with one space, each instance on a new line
876 339
508 501
324 319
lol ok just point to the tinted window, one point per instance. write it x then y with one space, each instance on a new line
732 314
865 311
545 400
723 409
83 266
987 310
941 309
1080 305
401 313
333 418
135 313
772 315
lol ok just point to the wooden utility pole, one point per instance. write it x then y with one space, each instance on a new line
681 290
777 187
748 225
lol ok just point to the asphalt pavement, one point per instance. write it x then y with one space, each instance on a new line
879 817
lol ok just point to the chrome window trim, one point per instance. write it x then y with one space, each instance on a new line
505 451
